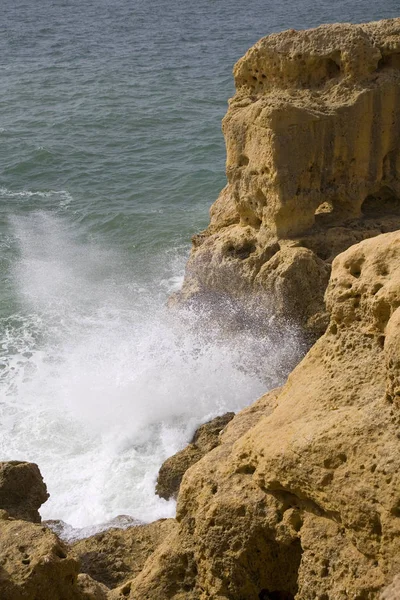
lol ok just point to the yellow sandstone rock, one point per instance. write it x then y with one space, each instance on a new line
302 499
313 161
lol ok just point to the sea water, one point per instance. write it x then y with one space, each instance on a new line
111 154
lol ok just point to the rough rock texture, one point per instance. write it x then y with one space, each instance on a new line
34 564
22 490
90 589
392 592
173 469
301 499
313 162
117 555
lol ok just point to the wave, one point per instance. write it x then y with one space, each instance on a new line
100 382
65 197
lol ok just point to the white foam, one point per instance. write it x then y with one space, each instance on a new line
65 197
100 382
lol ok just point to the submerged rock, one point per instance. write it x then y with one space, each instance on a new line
173 469
313 161
22 490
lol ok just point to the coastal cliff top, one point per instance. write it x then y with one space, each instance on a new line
320 58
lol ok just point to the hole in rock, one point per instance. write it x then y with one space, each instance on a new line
267 568
383 202
246 469
355 268
58 551
391 61
243 160
275 595
332 68
242 251
252 220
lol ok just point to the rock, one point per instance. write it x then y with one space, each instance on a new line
90 589
313 161
34 564
22 490
300 499
392 592
115 556
172 470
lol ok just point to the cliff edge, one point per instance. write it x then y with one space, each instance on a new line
313 162
301 498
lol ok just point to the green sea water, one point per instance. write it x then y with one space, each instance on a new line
110 156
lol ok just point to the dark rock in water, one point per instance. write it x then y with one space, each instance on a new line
173 469
22 490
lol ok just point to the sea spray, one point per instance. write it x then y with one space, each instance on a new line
101 381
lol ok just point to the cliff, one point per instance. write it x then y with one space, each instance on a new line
312 139
301 498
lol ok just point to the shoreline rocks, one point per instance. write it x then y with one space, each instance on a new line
204 440
22 490
313 166
304 503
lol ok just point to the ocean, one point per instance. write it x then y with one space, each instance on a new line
111 155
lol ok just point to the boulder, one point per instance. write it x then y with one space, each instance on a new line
34 564
22 490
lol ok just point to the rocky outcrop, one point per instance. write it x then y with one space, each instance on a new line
301 497
173 469
313 162
22 490
34 564
115 556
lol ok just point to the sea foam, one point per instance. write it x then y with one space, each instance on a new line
101 382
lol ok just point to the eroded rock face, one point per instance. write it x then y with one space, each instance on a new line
117 555
302 499
35 564
22 490
173 469
313 162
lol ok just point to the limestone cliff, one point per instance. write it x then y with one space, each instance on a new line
313 162
301 499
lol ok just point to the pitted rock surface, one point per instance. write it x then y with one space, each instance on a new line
313 162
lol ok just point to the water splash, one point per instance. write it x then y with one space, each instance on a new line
101 382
